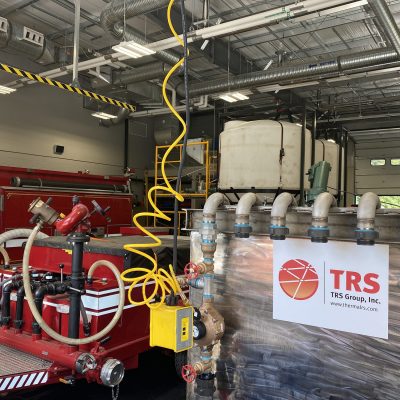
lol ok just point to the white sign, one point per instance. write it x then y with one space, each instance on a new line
334 285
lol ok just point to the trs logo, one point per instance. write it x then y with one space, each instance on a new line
298 279
355 282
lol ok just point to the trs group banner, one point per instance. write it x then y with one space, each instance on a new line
336 285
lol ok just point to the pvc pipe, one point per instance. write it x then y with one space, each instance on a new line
280 208
321 208
36 315
212 203
242 225
366 211
245 204
319 231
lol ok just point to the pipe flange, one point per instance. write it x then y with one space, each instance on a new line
243 230
318 234
366 237
278 232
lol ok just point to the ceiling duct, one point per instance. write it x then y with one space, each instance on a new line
123 114
112 21
26 41
287 74
141 74
386 22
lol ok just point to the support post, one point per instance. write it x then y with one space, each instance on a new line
75 78
346 155
314 138
302 157
77 240
339 195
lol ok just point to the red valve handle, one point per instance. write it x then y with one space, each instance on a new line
189 374
191 271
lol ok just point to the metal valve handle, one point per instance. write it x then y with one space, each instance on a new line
101 211
191 271
189 373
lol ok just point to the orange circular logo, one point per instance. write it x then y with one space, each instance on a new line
298 279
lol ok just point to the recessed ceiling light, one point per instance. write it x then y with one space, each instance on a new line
133 49
103 115
6 90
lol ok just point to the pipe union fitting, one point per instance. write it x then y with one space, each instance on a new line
278 232
318 234
366 237
243 230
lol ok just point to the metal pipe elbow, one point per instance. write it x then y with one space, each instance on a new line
366 212
319 230
242 221
278 229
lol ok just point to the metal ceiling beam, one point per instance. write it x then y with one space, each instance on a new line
386 22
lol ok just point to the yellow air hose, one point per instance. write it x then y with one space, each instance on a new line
165 281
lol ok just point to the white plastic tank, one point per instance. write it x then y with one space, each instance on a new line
326 150
262 155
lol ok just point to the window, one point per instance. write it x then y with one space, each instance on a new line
395 161
378 162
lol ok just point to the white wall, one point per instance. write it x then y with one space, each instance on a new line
37 117
383 180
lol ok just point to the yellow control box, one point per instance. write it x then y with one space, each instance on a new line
171 327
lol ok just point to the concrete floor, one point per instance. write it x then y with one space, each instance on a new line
154 380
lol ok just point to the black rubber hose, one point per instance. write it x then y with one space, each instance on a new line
5 304
182 163
18 322
39 298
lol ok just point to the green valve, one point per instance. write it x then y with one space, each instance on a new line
318 176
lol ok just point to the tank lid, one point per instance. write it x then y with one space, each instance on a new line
233 124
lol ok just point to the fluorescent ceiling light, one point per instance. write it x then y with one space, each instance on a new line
103 115
6 90
331 140
239 96
228 98
133 49
233 97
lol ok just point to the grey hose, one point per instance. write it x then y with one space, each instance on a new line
29 296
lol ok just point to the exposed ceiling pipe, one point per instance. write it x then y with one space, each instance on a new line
112 18
28 42
123 114
286 74
386 22
141 74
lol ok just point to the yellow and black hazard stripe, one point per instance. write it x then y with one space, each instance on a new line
64 86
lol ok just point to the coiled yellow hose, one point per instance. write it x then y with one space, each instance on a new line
164 280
